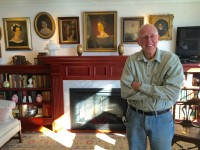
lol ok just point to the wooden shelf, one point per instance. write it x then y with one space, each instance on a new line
21 91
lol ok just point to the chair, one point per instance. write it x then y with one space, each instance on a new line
9 126
186 127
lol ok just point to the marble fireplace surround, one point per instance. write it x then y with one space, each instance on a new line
79 71
67 84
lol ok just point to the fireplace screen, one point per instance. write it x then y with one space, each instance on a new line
97 108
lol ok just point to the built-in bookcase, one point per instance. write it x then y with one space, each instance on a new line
17 77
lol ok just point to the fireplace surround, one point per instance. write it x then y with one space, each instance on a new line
93 71
108 90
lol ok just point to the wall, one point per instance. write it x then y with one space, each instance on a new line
185 14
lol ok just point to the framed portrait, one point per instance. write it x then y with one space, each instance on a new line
100 31
164 24
44 25
68 30
129 29
17 32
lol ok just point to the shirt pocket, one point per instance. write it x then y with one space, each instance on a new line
157 79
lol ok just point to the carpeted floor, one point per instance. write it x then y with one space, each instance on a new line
74 141
68 140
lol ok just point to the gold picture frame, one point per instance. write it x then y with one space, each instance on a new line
44 25
68 30
17 32
164 24
129 29
96 22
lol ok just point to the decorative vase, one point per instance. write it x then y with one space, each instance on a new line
39 98
15 98
79 49
52 48
120 49
6 83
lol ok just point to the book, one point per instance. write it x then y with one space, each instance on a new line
2 95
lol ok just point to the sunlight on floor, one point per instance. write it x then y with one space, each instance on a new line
64 137
96 147
67 138
105 138
119 134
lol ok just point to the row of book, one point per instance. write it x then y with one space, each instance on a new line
21 81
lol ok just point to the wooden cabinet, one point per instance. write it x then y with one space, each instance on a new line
29 107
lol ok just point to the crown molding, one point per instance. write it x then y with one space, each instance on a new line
10 3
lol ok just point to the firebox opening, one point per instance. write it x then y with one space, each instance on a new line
97 108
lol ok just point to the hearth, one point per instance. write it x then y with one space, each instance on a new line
97 108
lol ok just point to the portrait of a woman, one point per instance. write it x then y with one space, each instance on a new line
45 30
17 33
100 31
16 40
103 37
44 25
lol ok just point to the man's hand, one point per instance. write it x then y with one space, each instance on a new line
136 85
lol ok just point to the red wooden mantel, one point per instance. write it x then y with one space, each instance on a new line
79 68
85 68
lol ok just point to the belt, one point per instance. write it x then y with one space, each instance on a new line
149 113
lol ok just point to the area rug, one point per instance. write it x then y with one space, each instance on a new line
74 141
67 140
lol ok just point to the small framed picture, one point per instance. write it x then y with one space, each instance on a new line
129 29
44 25
17 32
164 24
100 31
68 30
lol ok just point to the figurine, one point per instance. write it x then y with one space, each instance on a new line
52 48
30 99
30 84
24 99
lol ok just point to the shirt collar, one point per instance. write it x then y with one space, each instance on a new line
157 56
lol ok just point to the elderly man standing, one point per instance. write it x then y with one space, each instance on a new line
151 82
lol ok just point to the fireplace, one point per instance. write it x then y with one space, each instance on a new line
97 108
81 89
69 72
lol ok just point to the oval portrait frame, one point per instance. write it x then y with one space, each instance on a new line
44 25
